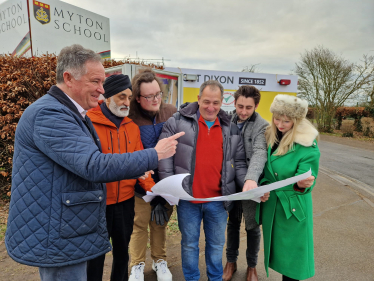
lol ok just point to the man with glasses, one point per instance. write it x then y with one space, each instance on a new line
149 112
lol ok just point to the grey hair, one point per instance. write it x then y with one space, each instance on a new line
73 59
212 84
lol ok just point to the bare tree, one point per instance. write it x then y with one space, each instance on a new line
369 94
327 80
252 68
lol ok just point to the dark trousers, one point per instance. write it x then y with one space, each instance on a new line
120 221
285 278
233 237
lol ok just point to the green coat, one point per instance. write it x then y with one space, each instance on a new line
287 217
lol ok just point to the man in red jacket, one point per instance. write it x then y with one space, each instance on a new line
118 134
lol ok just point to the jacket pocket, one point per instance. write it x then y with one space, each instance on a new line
296 208
80 213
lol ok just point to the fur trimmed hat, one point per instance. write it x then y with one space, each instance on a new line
290 106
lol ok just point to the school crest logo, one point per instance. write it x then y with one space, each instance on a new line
42 12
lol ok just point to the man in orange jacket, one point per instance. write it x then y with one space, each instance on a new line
118 134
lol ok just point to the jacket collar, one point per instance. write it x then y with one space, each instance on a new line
305 133
272 157
268 163
234 117
58 94
272 151
191 110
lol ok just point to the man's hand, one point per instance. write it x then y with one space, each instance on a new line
249 185
265 197
146 174
166 147
308 182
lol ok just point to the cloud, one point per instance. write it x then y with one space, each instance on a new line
229 35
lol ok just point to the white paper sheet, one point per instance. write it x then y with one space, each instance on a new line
172 190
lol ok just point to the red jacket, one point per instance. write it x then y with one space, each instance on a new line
124 139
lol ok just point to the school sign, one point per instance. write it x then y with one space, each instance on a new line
33 28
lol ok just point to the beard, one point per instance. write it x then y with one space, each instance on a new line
116 110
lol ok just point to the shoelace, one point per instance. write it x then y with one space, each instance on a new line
163 265
138 269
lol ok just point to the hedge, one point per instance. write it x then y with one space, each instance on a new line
23 81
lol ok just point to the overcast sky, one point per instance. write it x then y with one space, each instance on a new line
230 35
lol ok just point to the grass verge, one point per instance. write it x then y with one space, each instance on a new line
4 207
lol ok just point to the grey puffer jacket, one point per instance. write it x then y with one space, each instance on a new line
253 134
234 167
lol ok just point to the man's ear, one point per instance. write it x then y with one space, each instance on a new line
68 79
256 106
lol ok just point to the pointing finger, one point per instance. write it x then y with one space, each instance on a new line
174 137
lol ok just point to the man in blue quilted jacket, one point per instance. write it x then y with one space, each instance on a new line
57 209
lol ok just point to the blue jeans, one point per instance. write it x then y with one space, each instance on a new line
214 217
75 272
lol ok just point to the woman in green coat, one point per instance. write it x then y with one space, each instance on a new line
287 217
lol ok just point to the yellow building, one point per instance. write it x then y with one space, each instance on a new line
182 85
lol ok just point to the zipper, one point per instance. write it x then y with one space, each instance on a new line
226 141
119 151
227 147
193 162
125 141
119 148
111 139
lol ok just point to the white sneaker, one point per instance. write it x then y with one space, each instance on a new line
162 270
137 272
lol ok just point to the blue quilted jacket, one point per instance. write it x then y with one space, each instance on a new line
57 208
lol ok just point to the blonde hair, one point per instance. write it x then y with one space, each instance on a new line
288 139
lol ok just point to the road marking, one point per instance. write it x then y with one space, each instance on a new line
346 180
369 202
336 207
347 145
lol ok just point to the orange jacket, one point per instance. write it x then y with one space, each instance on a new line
124 139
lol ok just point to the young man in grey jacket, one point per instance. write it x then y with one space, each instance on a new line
252 126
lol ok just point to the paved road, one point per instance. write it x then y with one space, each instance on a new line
353 163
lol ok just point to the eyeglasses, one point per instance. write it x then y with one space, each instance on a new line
152 97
